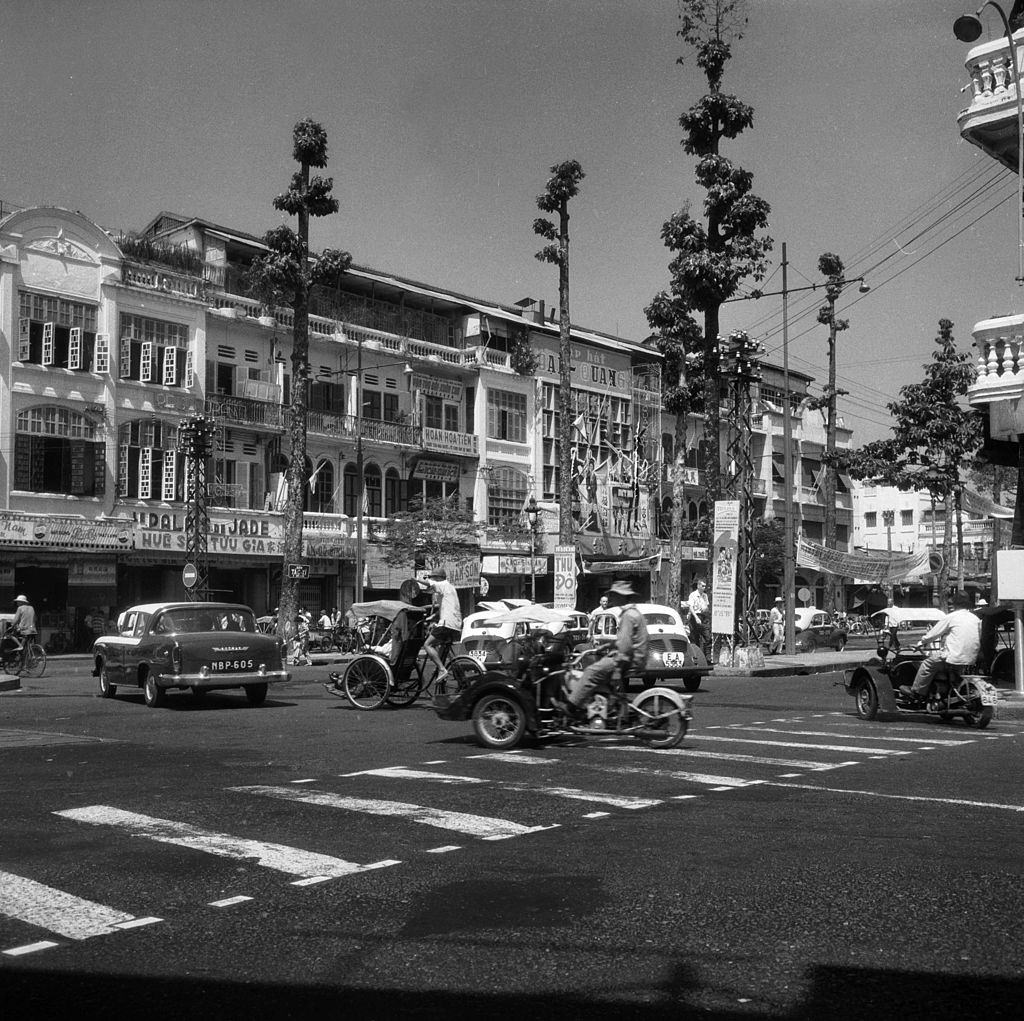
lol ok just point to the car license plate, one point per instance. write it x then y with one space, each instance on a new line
222 666
675 659
480 655
989 696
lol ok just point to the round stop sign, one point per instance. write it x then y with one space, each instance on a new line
189 575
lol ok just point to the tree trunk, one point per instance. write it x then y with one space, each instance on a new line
947 549
297 475
712 414
997 524
674 592
565 438
959 543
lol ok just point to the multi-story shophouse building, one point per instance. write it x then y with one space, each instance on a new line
109 342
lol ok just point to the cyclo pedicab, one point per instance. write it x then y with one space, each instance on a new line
395 670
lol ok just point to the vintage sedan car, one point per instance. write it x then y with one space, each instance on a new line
199 646
814 629
672 659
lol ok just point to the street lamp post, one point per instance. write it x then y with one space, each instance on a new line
531 513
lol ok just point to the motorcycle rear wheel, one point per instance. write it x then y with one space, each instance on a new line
667 719
976 714
499 721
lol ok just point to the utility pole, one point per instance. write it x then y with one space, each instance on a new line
789 551
195 439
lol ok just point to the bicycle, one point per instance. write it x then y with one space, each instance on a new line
35 661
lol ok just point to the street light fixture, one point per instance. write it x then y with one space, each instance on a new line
531 513
967 28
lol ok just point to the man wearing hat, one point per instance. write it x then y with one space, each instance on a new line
628 653
447 617
777 619
24 625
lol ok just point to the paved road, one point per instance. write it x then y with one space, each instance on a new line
786 861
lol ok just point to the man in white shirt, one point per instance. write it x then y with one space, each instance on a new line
961 634
602 604
697 621
446 615
777 619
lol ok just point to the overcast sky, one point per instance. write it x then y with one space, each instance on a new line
444 116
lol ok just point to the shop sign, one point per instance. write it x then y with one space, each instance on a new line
87 573
328 546
436 471
248 534
54 532
565 577
449 389
693 553
723 579
461 573
450 441
593 368
504 563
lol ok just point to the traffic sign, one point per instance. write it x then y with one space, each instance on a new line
298 571
189 575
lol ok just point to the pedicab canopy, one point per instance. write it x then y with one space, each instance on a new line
386 608
534 613
906 616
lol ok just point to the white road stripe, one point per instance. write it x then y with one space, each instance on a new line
803 744
30 948
732 757
899 797
521 758
60 912
573 793
859 736
228 902
481 826
677 774
291 860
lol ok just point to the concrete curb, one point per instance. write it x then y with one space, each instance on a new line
10 682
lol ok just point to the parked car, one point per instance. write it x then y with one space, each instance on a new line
672 658
814 629
576 627
493 637
200 646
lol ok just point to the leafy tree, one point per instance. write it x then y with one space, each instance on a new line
563 185
711 257
432 531
769 550
284 276
933 436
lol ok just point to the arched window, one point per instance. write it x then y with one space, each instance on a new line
667 448
374 496
350 499
57 450
702 510
321 500
396 493
691 512
149 466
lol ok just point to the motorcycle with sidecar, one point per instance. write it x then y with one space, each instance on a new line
875 688
522 698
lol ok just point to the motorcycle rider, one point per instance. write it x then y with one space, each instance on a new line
960 630
629 651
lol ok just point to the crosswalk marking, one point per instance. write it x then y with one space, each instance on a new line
60 912
30 948
574 794
519 758
734 757
290 860
804 744
482 826
865 736
901 797
677 774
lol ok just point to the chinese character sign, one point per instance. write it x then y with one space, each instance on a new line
723 577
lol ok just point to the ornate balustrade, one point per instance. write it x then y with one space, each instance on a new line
990 122
244 411
1000 363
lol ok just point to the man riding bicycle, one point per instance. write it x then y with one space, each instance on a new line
446 616
23 627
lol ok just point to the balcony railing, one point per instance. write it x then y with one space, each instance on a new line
346 427
152 277
1000 364
243 411
990 122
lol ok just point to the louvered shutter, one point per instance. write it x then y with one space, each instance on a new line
24 340
101 353
242 481
75 348
146 473
146 362
170 366
190 372
48 343
126 358
122 470
170 484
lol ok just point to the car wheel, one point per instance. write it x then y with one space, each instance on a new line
256 693
107 690
154 695
806 643
691 683
499 721
865 700
199 693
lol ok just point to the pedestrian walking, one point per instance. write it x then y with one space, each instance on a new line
698 619
777 619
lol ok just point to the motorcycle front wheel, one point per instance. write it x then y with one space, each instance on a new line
665 718
499 721
976 714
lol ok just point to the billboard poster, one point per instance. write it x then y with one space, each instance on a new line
723 577
565 577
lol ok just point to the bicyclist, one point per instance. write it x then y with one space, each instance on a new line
23 626
446 616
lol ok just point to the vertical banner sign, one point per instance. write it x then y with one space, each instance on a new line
565 577
723 578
